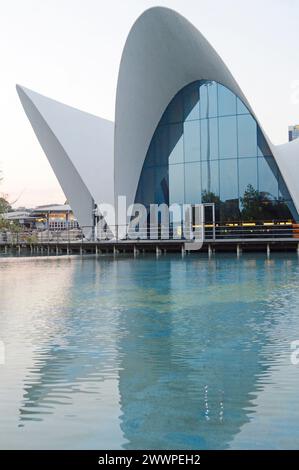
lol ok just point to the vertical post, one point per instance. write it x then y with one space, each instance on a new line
239 251
214 223
210 251
268 250
183 251
158 252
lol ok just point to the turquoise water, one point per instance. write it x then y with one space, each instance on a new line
149 353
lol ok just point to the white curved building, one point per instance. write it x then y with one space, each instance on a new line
184 132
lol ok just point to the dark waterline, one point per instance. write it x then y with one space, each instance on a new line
149 353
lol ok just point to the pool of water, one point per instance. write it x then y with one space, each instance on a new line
147 353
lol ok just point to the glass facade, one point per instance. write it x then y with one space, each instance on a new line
208 148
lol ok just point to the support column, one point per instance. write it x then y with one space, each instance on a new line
210 251
239 251
268 250
115 250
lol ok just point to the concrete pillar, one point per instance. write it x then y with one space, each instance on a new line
81 250
210 251
19 249
268 250
48 250
115 250
298 249
239 251
136 251
5 249
158 251
57 250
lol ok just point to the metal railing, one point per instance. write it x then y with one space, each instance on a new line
175 232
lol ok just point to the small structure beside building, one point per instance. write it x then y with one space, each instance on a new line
293 132
54 217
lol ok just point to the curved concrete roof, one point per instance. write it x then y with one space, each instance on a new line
96 160
79 147
163 53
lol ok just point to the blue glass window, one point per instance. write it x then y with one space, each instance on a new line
191 102
229 180
209 139
227 137
268 178
241 108
208 147
247 140
176 184
247 174
176 144
193 183
208 100
227 102
192 141
210 177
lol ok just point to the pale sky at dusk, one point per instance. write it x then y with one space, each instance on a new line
70 50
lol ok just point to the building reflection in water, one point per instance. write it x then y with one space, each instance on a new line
147 353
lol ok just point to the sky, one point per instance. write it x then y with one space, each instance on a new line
70 50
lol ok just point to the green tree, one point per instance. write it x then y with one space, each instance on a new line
251 204
4 206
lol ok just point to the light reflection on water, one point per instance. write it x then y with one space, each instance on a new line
149 353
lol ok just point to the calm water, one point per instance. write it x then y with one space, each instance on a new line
147 353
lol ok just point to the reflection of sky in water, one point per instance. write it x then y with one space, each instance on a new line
146 353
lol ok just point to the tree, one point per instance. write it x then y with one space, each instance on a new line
4 206
251 204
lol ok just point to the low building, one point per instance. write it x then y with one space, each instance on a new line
53 217
293 132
